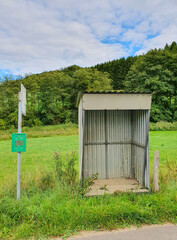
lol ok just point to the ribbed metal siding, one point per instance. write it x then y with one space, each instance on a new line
94 149
114 144
139 145
119 143
107 148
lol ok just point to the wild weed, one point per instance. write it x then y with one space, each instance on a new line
168 171
64 167
85 184
65 171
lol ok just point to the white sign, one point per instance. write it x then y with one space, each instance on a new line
23 99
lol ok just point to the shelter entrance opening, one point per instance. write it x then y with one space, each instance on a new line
114 141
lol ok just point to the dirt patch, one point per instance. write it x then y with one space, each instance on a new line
111 186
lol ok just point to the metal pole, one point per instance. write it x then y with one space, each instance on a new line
19 153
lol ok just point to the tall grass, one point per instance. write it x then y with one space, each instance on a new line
53 202
43 131
53 205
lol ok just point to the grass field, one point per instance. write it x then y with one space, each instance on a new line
40 151
60 211
38 156
43 131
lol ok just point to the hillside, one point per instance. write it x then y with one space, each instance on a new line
51 96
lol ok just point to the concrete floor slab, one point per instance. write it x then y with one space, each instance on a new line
110 186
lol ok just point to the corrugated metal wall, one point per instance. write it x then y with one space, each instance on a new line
94 150
114 144
139 143
107 143
119 143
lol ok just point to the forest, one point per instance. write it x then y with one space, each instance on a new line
51 96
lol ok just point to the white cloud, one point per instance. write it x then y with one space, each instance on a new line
37 35
167 35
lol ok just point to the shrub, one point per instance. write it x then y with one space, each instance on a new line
65 167
47 181
163 126
66 173
2 124
12 120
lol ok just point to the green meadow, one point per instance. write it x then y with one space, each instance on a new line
49 207
40 152
37 157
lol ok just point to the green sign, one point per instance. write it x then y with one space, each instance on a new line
18 142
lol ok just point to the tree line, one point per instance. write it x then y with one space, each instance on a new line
51 96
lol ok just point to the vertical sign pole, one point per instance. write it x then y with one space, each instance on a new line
19 153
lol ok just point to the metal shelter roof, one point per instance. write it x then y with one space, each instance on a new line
113 100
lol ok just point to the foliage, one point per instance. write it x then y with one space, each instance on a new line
156 72
117 70
64 168
51 96
46 181
163 126
2 124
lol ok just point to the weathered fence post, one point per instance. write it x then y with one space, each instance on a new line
155 171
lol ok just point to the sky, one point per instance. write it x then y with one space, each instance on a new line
44 35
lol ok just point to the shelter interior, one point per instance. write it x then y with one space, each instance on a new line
115 145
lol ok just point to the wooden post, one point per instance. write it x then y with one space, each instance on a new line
155 171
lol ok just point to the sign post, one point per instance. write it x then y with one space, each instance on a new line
19 139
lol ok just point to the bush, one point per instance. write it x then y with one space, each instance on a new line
163 126
12 120
66 173
2 124
65 167
30 120
46 182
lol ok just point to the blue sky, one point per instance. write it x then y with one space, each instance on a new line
43 35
